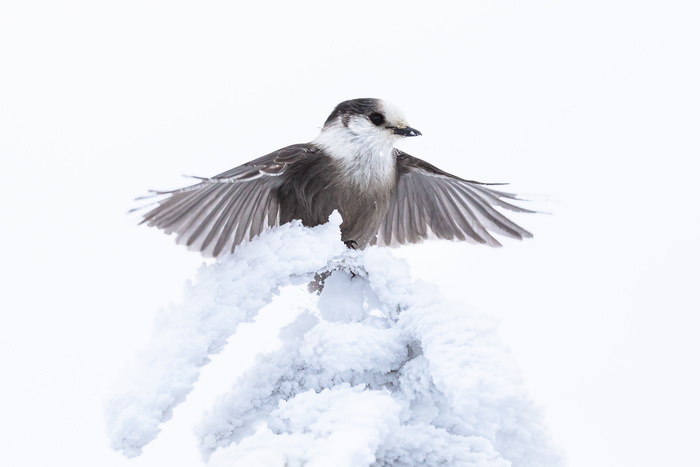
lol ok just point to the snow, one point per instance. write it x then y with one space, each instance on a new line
378 369
226 294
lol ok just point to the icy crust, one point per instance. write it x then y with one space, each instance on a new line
381 371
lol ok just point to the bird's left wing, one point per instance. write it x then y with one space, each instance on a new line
432 203
217 214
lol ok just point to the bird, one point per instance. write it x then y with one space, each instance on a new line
386 197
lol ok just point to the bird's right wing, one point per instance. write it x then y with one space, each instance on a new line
217 214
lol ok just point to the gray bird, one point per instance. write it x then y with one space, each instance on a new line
386 197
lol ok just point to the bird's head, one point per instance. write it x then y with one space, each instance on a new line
361 134
371 119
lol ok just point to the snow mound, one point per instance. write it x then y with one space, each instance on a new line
380 371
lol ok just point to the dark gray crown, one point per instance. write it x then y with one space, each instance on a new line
363 106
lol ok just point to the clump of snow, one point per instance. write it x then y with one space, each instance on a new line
379 371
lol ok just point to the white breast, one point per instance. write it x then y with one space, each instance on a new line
366 153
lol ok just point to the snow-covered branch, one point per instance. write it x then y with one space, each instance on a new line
379 371
225 294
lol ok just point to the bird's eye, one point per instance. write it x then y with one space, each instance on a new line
376 118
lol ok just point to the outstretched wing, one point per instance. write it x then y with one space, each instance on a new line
217 214
432 203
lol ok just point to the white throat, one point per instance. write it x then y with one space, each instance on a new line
367 156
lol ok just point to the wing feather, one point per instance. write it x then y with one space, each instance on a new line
429 202
469 217
495 198
210 213
246 217
219 213
225 241
490 217
177 206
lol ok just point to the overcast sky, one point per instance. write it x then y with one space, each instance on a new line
594 104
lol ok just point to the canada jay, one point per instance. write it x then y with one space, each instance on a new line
385 196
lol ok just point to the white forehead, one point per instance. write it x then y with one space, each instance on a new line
392 114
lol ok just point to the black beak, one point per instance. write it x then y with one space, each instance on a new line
406 131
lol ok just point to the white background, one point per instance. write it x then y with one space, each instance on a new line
595 103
